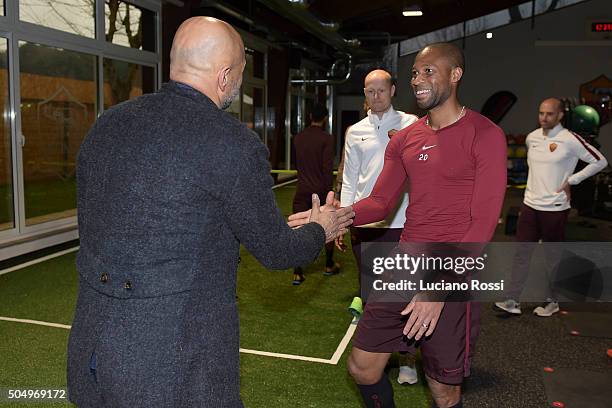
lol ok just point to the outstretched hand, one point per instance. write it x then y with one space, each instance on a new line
333 221
331 217
301 218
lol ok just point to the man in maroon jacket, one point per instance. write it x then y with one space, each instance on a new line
314 152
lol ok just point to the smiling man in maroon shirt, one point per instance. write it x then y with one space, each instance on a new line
454 161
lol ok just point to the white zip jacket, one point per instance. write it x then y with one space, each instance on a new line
364 156
552 160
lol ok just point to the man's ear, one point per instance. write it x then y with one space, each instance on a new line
456 74
392 91
223 78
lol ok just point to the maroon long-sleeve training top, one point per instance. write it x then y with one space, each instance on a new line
456 178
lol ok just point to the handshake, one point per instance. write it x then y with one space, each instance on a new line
331 217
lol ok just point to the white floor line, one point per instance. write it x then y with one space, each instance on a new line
333 361
38 260
36 322
287 356
343 344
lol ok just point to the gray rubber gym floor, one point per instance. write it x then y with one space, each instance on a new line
512 352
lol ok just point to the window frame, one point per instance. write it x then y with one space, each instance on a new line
15 30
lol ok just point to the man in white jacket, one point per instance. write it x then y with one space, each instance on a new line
364 154
552 155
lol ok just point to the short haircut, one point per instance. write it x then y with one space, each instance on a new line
452 53
319 112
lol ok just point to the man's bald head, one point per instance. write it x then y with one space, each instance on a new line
378 90
550 113
207 53
553 103
378 74
450 52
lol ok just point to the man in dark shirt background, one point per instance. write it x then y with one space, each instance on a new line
314 152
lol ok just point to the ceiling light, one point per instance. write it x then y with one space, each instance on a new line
412 11
489 36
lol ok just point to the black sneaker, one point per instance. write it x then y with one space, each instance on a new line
333 271
298 278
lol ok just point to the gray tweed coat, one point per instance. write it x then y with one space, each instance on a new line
169 186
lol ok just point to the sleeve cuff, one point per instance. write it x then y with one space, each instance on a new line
572 180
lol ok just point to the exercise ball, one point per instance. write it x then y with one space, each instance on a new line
584 120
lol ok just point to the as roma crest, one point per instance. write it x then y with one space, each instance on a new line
552 147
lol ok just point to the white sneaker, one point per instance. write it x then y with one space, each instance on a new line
407 375
509 306
547 310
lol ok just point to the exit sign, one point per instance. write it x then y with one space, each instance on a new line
601 27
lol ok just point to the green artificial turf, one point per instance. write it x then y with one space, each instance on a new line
40 197
307 320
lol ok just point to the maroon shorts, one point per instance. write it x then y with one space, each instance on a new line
446 354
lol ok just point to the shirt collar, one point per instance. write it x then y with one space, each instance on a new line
555 131
386 116
184 86
188 91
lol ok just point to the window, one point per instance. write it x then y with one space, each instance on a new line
129 25
124 80
7 217
296 122
62 62
73 16
253 108
58 106
255 65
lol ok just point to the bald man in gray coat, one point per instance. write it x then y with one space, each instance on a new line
169 186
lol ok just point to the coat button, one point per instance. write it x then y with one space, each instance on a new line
128 285
104 277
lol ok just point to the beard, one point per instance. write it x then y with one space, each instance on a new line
437 99
227 100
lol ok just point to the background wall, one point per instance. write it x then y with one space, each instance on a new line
512 61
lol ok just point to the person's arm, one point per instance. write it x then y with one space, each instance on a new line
587 153
490 156
256 221
350 173
328 163
527 140
388 188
